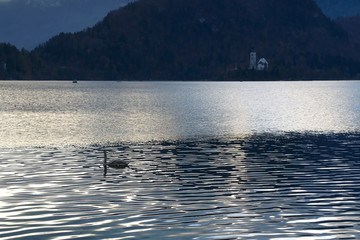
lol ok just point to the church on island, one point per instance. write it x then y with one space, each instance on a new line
261 65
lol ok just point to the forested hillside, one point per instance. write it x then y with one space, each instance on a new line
198 39
15 64
351 25
187 39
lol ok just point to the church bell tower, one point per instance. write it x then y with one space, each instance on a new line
252 65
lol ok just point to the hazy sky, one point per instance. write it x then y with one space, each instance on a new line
340 8
27 23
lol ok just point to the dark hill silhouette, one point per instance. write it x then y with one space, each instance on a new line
15 64
200 39
351 25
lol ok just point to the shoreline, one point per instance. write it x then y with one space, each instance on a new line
94 80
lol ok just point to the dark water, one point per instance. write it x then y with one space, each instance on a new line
289 186
267 178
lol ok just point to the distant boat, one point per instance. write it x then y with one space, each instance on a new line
75 81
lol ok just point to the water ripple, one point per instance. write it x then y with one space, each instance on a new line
285 186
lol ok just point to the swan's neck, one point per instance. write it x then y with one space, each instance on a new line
105 158
105 163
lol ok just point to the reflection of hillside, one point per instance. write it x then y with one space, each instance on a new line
300 161
221 159
187 164
258 164
282 180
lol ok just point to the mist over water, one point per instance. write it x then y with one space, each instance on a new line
208 160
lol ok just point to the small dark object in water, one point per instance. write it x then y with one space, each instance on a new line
120 164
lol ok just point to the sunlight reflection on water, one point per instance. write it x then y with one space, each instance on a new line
276 186
207 160
62 113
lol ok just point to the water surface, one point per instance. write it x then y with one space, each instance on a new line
208 160
290 186
62 113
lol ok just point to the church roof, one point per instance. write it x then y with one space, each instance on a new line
263 61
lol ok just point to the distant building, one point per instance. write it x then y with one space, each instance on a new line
252 65
262 65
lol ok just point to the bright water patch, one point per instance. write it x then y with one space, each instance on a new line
254 182
264 186
62 113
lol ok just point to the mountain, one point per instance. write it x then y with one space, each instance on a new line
339 8
345 13
26 24
199 39
351 25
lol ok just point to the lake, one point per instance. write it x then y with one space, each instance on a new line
207 160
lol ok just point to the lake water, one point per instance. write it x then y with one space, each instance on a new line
208 160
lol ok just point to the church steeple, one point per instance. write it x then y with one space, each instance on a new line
252 65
